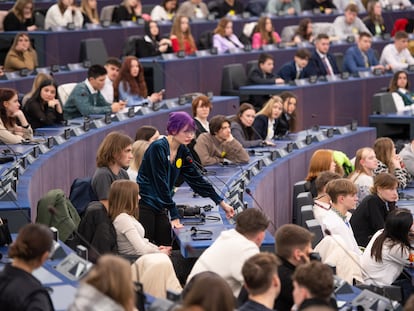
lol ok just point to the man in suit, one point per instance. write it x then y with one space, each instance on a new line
361 57
322 63
296 69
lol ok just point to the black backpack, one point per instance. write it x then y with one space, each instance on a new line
81 194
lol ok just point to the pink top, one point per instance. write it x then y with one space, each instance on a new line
257 41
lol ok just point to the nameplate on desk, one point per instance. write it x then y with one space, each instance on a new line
267 161
254 171
59 140
128 24
97 123
120 116
75 66
341 130
168 56
269 47
73 267
144 110
78 131
364 74
345 75
319 137
299 144
301 82
169 104
43 149
201 53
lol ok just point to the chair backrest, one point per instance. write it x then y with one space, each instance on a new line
322 27
304 198
250 65
306 212
313 226
383 103
339 58
298 187
233 77
64 91
288 32
130 45
106 12
93 50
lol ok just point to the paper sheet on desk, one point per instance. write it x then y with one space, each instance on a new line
62 296
45 277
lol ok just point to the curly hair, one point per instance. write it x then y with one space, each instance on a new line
136 85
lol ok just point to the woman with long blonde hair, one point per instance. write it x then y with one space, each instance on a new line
89 9
266 123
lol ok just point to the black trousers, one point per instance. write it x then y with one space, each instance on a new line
156 224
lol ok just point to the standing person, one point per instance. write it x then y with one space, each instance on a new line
363 176
86 97
163 162
89 9
264 33
165 11
112 66
62 13
181 37
266 123
114 153
130 85
224 39
20 17
21 54
44 108
370 215
14 128
374 21
401 93
20 290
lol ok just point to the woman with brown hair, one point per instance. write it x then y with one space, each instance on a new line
21 54
322 160
181 37
288 118
107 286
401 93
304 31
20 17
89 11
20 290
128 10
264 33
14 127
224 39
374 21
201 107
130 85
389 161
63 13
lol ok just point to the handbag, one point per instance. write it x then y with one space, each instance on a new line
5 236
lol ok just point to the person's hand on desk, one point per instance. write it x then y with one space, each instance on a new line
279 81
228 209
176 224
156 97
165 249
117 106
32 28
381 67
268 143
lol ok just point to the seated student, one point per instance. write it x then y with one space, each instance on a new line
152 44
343 199
148 133
40 77
207 291
138 149
261 281
262 74
396 56
407 155
322 63
296 69
313 286
370 215
20 289
323 6
165 11
123 210
194 9
114 153
322 202
230 8
322 160
86 98
234 246
62 13
293 245
181 37
112 66
219 145
201 107
304 33
349 24
89 9
389 251
107 286
266 123
264 33
224 39
242 130
363 176
288 117
361 57
374 21
401 93
21 54
43 108
130 85
400 4
128 10
20 17
341 5
390 162
283 7
14 128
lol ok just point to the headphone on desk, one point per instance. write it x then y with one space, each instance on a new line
196 232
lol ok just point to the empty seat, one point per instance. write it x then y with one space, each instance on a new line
107 12
306 212
339 58
233 77
383 103
64 91
304 198
299 187
130 46
313 226
93 50
250 65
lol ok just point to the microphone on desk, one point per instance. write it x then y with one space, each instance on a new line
249 192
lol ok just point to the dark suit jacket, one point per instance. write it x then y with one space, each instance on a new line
261 122
288 72
371 26
316 66
313 4
354 61
256 76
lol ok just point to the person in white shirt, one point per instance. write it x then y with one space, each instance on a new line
62 13
407 155
233 247
138 149
400 90
342 4
112 66
396 55
165 11
349 24
389 250
363 176
396 4
343 194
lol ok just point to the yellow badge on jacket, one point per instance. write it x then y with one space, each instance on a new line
179 163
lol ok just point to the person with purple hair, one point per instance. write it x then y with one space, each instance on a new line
164 160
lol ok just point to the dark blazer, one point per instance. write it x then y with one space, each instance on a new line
354 61
313 4
316 66
288 72
256 76
261 123
371 26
